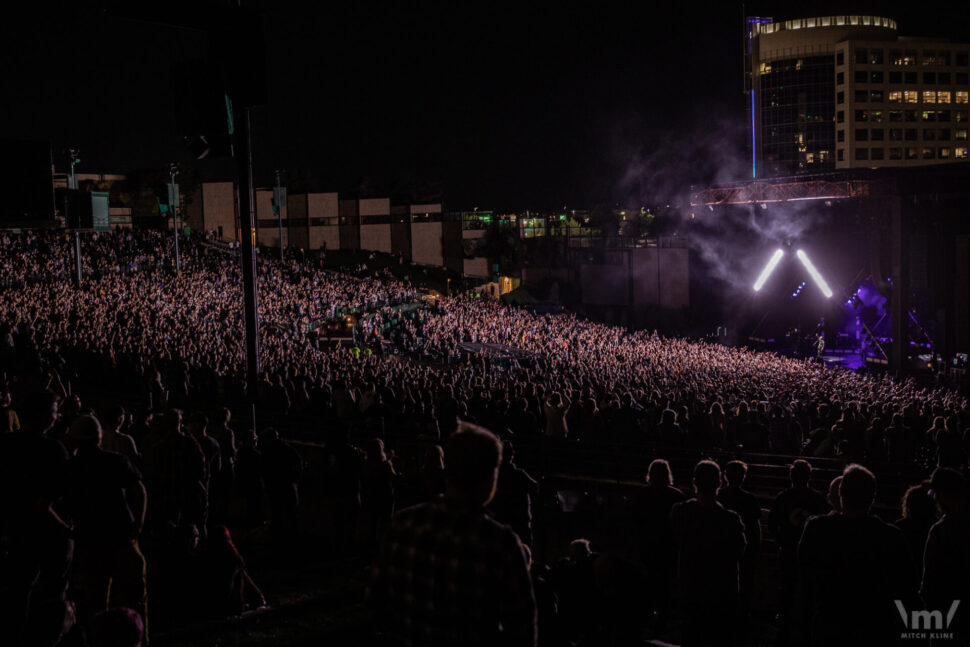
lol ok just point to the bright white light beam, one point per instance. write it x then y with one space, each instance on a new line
819 281
769 268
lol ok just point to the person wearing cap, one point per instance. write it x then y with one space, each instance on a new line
107 502
946 560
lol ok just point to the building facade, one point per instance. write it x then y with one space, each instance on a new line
839 92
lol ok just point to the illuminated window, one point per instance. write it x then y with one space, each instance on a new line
929 115
960 153
877 134
943 153
895 134
895 153
960 134
877 154
961 96
896 56
895 96
861 154
765 68
943 96
909 57
928 153
910 96
929 96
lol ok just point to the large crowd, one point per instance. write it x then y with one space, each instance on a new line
123 478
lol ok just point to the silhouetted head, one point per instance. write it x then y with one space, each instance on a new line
707 477
858 490
659 473
735 472
472 457
799 473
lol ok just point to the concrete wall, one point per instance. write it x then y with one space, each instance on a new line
219 208
297 223
426 243
376 238
374 207
323 210
674 278
401 231
349 225
267 224
477 267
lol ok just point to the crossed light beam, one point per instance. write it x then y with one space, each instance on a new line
803 257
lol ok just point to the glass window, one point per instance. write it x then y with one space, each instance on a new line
943 96
861 76
895 77
909 57
840 57
960 134
928 153
861 135
840 116
961 58
910 96
895 115
943 58
943 78
929 134
877 134
929 96
929 77
840 136
912 153
895 134
876 154
962 78
912 115
961 116
840 97
895 96
840 78
875 57
929 57
862 115
861 56
960 152
876 116
861 154
861 96
896 56
876 96
911 134
929 115
943 134
943 115
875 77
895 153
840 154
943 153
911 77
961 96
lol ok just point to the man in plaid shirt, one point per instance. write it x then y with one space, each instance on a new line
448 574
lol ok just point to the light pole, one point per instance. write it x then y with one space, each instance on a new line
279 211
72 186
173 205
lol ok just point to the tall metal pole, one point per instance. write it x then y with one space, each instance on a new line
175 218
77 257
279 211
244 171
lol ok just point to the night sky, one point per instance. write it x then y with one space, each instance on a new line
499 108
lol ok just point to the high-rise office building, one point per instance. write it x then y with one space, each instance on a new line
838 92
